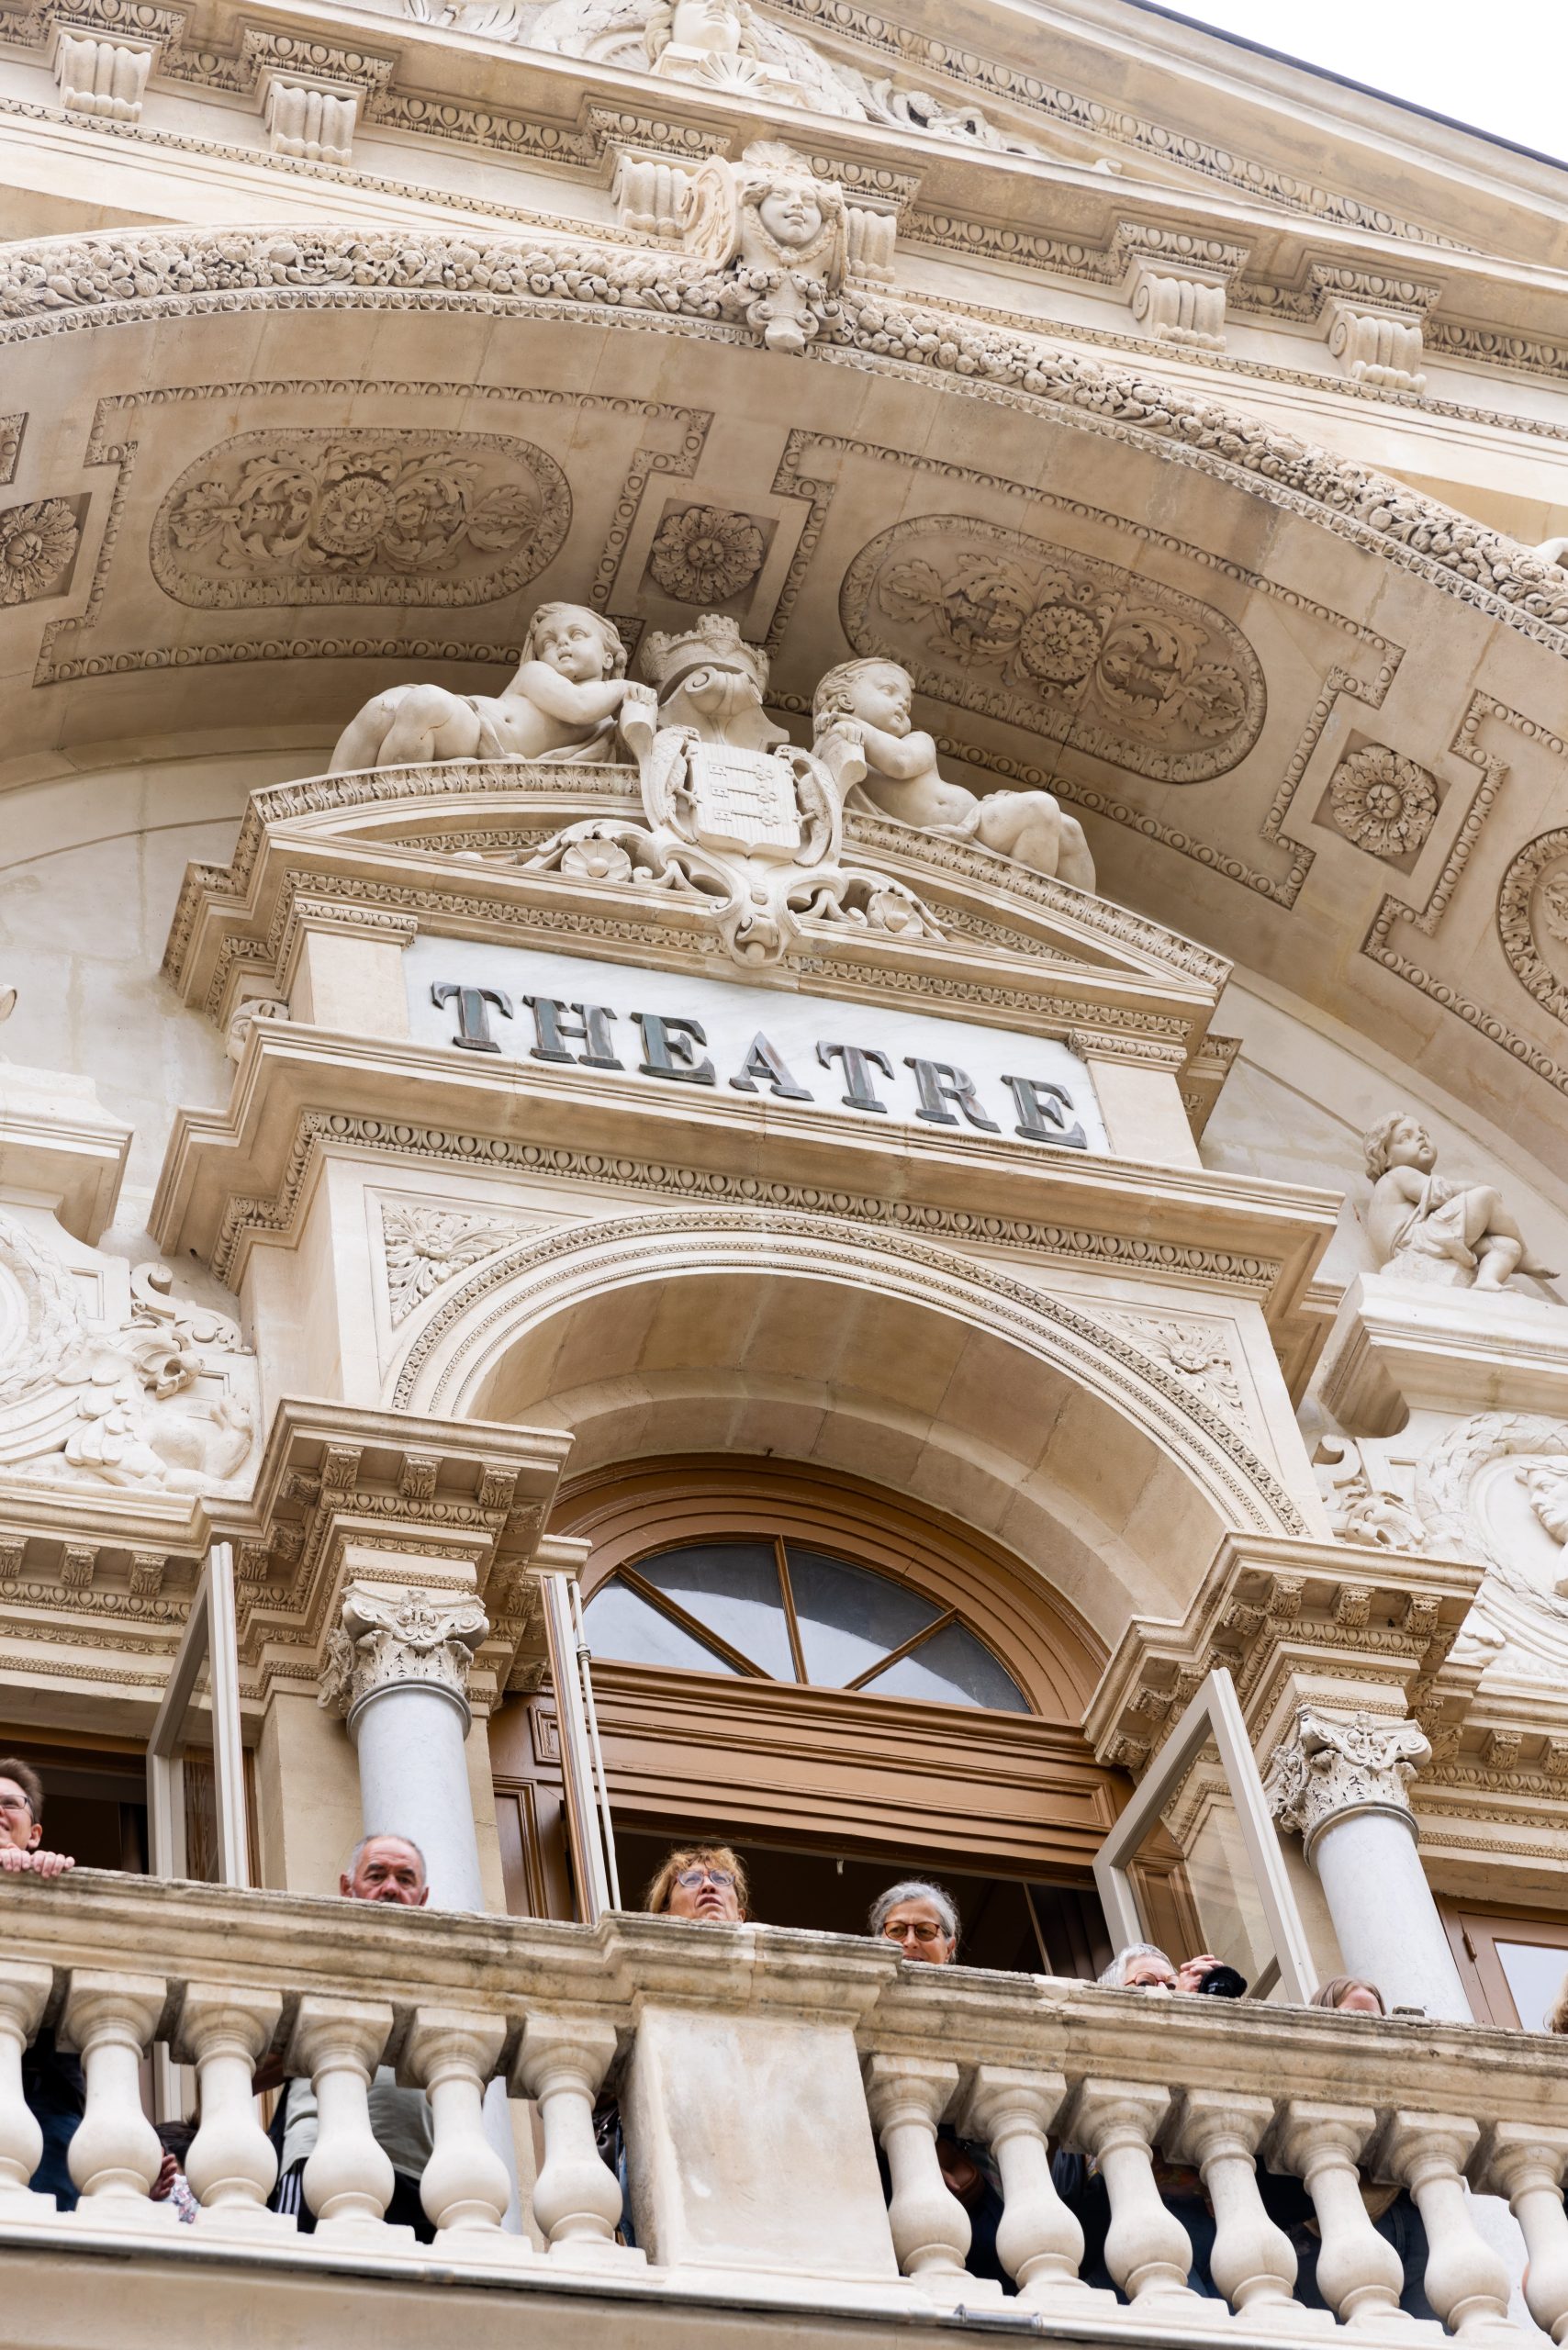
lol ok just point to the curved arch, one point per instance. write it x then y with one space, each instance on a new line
114 277
1032 1419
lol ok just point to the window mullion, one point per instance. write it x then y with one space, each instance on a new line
796 1651
689 1623
893 1655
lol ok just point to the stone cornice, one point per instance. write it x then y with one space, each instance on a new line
233 1177
1290 1619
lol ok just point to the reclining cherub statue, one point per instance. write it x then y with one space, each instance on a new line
563 704
861 713
1425 1228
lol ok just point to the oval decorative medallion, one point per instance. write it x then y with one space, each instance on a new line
360 516
1058 642
1533 918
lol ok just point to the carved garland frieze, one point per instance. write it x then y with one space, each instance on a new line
1063 644
360 516
124 274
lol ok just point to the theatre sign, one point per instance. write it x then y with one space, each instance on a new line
810 1051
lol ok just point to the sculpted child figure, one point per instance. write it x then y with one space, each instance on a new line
1425 1228
562 704
861 713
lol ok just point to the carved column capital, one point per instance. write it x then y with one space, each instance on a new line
1329 1767
397 1639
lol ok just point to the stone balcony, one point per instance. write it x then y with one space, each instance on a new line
756 2067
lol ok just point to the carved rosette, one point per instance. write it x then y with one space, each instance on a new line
1328 1768
414 1639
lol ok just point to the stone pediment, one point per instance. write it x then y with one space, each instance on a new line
458 840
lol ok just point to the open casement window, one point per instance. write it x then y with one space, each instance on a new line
1193 1864
196 1795
1512 1962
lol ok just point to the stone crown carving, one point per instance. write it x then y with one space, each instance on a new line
1327 1768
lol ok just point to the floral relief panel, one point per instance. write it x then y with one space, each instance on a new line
1069 646
360 516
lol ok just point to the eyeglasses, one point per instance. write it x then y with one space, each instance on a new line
692 1878
17 1803
921 1928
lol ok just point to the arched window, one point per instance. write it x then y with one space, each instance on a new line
781 1611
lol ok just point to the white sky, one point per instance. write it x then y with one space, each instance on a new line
1500 65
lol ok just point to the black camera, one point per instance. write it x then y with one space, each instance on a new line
1223 1982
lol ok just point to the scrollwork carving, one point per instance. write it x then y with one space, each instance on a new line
360 516
1066 645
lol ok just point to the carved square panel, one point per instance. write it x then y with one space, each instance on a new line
1382 801
709 556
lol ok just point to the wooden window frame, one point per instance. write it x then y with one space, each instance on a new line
1473 1929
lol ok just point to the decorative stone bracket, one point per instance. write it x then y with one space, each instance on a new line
1177 283
102 73
1297 1623
1328 1767
1373 325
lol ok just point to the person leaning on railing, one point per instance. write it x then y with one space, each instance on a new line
51 2081
921 1917
1392 2210
1143 1966
389 1869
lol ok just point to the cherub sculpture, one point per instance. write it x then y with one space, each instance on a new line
563 704
1425 1228
791 234
861 713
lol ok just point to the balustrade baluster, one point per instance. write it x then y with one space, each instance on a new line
231 2166
348 2180
908 2095
1467 2283
1039 2241
24 1995
576 2197
115 2155
466 2189
1526 2160
1360 2274
1146 2249
1253 2262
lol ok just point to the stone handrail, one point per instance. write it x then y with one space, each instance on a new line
752 2066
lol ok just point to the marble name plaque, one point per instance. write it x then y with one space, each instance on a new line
814 1052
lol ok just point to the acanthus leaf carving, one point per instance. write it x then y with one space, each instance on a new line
1329 1766
1383 803
413 1638
426 1245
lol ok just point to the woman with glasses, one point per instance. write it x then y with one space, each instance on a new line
704 1884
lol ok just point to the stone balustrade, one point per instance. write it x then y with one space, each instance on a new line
756 2069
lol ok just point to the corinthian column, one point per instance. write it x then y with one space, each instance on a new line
1344 1787
397 1668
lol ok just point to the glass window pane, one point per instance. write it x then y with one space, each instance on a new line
1535 1971
734 1588
620 1623
849 1616
953 1668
